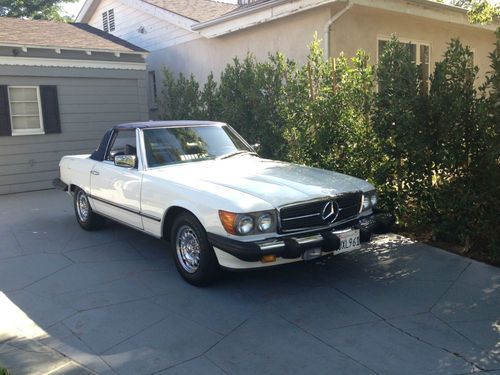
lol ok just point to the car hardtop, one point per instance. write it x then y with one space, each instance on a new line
165 124
100 152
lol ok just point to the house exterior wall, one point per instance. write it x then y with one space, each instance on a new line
289 35
360 27
156 33
90 101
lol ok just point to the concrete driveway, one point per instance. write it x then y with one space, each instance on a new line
74 302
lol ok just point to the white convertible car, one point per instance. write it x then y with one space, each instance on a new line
205 190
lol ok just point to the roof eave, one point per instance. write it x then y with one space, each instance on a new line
238 13
273 3
55 48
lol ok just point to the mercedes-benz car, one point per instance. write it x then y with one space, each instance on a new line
200 186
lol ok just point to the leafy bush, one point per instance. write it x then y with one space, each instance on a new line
434 155
326 107
400 125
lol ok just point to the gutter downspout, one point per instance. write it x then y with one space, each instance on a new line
328 25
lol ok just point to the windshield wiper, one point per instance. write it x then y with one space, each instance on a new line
236 153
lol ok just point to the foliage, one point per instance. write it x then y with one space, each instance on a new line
180 98
434 154
479 11
400 126
326 108
35 9
456 146
249 95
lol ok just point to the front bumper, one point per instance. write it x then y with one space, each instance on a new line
294 246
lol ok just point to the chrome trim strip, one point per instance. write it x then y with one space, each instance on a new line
272 246
310 239
300 217
124 208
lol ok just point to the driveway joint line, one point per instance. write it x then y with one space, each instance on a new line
205 351
450 286
327 344
471 363
42 278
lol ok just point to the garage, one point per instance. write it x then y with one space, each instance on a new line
61 86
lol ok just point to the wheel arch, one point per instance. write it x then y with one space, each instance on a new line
169 218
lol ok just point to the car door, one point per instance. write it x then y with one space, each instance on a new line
115 190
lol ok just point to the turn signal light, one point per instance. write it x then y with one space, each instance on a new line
268 258
228 219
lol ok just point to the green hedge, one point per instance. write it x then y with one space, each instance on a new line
434 154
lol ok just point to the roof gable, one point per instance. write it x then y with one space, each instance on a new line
45 34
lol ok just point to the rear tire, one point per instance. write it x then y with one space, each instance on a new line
193 255
85 216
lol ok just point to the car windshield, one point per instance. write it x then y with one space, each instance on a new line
191 143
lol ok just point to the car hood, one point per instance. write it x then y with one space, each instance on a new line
275 182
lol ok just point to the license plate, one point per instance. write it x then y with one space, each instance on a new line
349 241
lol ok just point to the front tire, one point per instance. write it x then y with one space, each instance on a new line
85 216
193 255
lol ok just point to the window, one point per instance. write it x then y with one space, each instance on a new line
108 20
190 144
28 110
25 110
153 94
420 54
123 144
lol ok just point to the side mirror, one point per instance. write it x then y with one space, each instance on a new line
126 161
256 147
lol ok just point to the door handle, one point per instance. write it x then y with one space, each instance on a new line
94 172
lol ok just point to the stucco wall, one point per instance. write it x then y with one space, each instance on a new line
361 26
290 35
90 101
358 28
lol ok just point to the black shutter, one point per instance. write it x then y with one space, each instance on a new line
5 128
50 109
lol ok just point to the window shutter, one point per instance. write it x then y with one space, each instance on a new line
5 128
50 109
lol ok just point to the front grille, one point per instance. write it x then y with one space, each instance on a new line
308 215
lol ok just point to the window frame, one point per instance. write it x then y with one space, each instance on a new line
112 141
417 43
152 90
18 132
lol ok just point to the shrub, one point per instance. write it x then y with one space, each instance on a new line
179 98
434 156
249 93
326 108
399 123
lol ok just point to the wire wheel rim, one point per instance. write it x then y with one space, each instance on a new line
82 206
188 249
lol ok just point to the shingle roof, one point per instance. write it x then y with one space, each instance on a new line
197 10
17 31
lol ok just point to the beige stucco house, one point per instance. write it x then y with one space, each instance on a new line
199 36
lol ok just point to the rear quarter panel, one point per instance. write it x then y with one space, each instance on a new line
75 170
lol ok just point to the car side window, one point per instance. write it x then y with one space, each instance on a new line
123 143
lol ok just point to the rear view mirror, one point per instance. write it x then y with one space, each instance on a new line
126 161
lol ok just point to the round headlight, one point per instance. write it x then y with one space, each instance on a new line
366 202
265 222
244 225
